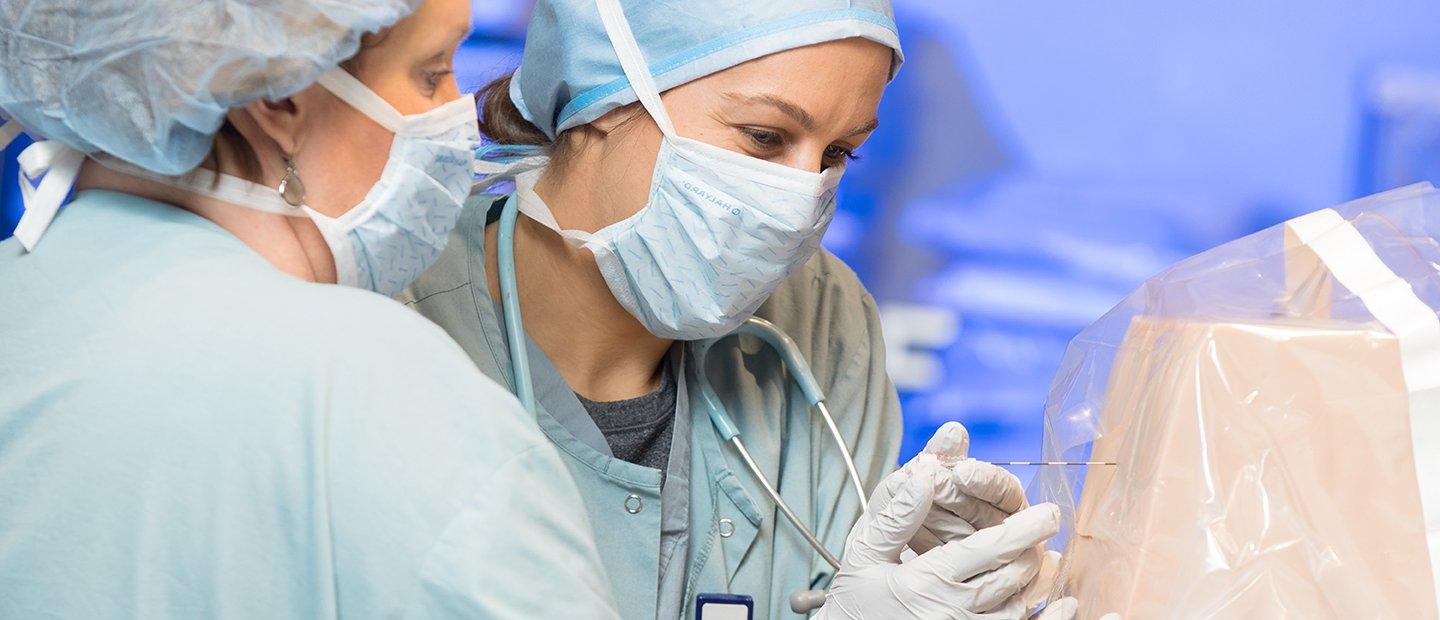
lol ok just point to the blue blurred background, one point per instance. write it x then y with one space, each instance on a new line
1037 161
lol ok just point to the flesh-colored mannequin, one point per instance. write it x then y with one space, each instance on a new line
1265 471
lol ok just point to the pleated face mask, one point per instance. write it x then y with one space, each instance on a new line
399 229
718 233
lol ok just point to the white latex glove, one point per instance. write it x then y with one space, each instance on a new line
979 495
989 574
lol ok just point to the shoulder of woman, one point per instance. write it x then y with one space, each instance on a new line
385 365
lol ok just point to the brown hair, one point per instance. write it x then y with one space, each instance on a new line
230 146
501 121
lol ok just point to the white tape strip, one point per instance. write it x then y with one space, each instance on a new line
350 90
56 166
632 62
1393 302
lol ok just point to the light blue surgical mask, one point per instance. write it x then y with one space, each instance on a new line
401 226
720 231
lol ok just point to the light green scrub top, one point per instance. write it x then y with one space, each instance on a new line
734 540
186 431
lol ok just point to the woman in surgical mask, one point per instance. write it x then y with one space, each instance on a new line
195 420
675 165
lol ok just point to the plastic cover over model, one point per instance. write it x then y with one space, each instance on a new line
1272 407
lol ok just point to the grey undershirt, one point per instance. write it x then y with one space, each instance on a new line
638 430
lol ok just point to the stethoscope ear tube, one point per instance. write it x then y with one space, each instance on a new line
799 369
782 505
510 304
789 352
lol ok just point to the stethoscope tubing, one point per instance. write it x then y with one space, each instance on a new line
510 305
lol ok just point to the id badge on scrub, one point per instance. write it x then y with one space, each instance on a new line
724 607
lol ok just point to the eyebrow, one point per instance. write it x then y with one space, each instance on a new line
460 33
797 113
789 109
864 129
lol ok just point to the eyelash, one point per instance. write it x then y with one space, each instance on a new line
845 153
765 139
432 78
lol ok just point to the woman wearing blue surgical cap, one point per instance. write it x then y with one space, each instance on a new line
676 164
194 420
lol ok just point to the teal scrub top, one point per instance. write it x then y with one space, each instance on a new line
186 431
734 539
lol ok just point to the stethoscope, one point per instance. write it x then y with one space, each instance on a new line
766 331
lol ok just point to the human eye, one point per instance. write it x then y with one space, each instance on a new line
836 154
763 139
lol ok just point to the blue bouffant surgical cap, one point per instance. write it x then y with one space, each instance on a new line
570 74
150 82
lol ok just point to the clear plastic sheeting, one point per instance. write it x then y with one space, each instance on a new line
1272 409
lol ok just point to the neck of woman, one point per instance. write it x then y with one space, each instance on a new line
601 350
292 245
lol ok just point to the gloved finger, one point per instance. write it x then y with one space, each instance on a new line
950 443
978 514
972 492
1063 609
924 540
887 487
947 446
941 526
992 589
990 484
1044 580
880 534
990 548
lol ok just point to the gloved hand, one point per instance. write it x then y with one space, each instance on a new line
989 574
978 495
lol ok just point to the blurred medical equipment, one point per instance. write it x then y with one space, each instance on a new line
1252 394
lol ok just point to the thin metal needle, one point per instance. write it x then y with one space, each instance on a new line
1076 463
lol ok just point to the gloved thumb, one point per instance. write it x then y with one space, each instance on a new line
951 444
881 533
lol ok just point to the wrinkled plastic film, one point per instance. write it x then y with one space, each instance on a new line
1266 402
